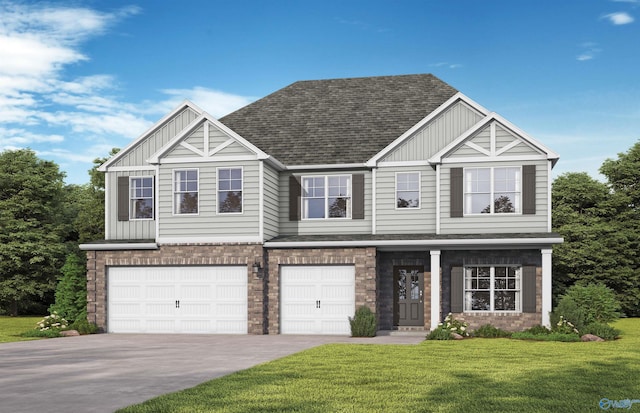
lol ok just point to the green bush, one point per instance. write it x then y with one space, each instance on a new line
71 291
489 331
41 333
456 326
440 333
546 337
570 310
537 330
364 323
83 327
604 331
586 304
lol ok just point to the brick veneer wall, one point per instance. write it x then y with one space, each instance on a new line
364 260
505 321
386 262
192 254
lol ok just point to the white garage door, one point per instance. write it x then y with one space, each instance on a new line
316 299
177 299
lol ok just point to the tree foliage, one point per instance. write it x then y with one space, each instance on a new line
32 231
71 291
600 223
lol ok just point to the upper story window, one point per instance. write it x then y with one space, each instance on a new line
492 190
229 190
492 288
185 191
141 197
408 190
326 197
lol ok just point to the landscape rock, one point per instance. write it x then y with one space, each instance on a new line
457 336
590 337
69 333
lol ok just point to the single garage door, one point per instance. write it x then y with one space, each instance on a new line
316 299
193 299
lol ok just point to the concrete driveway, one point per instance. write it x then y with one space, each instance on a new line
105 372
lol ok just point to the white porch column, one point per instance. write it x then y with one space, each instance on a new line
546 286
435 288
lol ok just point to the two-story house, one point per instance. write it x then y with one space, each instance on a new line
394 192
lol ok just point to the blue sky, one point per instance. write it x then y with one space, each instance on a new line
80 77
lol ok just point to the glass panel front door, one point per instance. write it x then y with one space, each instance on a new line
409 295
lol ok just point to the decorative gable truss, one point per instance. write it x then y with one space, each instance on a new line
493 139
207 140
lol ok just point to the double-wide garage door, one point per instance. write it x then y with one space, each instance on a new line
211 299
316 299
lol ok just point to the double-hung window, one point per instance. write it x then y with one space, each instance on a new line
229 190
492 288
492 190
326 197
185 191
407 190
141 197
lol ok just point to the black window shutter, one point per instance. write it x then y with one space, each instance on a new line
457 195
123 198
529 189
457 289
294 198
154 197
357 205
529 289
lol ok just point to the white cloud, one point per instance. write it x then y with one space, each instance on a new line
214 102
589 52
619 18
10 137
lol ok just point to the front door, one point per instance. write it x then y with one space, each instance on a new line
408 295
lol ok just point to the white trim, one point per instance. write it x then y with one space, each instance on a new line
207 138
157 196
395 200
493 159
209 240
546 285
220 147
477 148
140 168
441 109
438 199
218 190
374 200
235 158
435 288
492 289
395 164
173 192
185 104
492 192
191 148
119 246
260 199
326 166
461 243
508 147
549 215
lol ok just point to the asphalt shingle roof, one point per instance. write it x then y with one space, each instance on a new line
338 120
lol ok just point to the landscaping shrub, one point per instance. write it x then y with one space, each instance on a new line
83 326
439 333
364 323
71 291
564 327
52 322
602 330
41 333
569 310
489 331
583 305
537 330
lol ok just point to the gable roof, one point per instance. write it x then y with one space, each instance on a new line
338 121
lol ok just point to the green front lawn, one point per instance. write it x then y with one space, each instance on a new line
12 327
475 375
